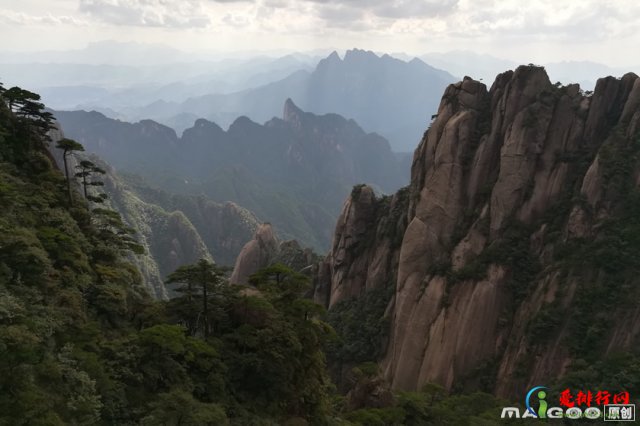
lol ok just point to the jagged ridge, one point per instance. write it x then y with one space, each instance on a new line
294 172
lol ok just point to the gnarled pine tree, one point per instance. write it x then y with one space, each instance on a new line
87 169
68 146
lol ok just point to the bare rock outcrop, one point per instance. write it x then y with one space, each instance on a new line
256 254
266 249
364 253
518 194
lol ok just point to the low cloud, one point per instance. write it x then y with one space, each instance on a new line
541 19
397 9
148 13
587 20
363 15
18 18
416 9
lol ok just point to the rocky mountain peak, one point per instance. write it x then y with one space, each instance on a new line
333 57
241 123
266 249
202 129
256 254
266 237
204 124
501 182
359 55
330 62
365 246
291 113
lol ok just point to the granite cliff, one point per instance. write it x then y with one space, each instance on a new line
511 253
266 249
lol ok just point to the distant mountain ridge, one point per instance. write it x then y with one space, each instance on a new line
69 82
294 172
383 94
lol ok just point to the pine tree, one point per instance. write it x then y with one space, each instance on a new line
203 280
88 169
114 231
68 146
28 109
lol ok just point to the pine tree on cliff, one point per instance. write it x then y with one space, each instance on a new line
113 230
88 169
17 97
26 106
68 146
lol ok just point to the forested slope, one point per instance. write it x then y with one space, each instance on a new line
81 341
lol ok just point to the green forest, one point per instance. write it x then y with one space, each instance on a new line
82 342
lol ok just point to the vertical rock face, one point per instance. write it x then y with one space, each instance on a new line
504 181
364 253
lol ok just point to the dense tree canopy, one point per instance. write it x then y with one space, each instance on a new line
203 290
81 342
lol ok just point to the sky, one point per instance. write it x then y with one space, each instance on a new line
520 30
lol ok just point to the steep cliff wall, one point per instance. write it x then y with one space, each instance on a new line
365 249
520 216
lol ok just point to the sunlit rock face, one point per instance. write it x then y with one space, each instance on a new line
504 179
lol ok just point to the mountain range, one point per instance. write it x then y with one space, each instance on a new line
393 95
294 172
120 87
509 261
389 96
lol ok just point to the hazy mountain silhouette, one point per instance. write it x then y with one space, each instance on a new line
294 172
389 96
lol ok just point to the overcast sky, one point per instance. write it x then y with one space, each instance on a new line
521 30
